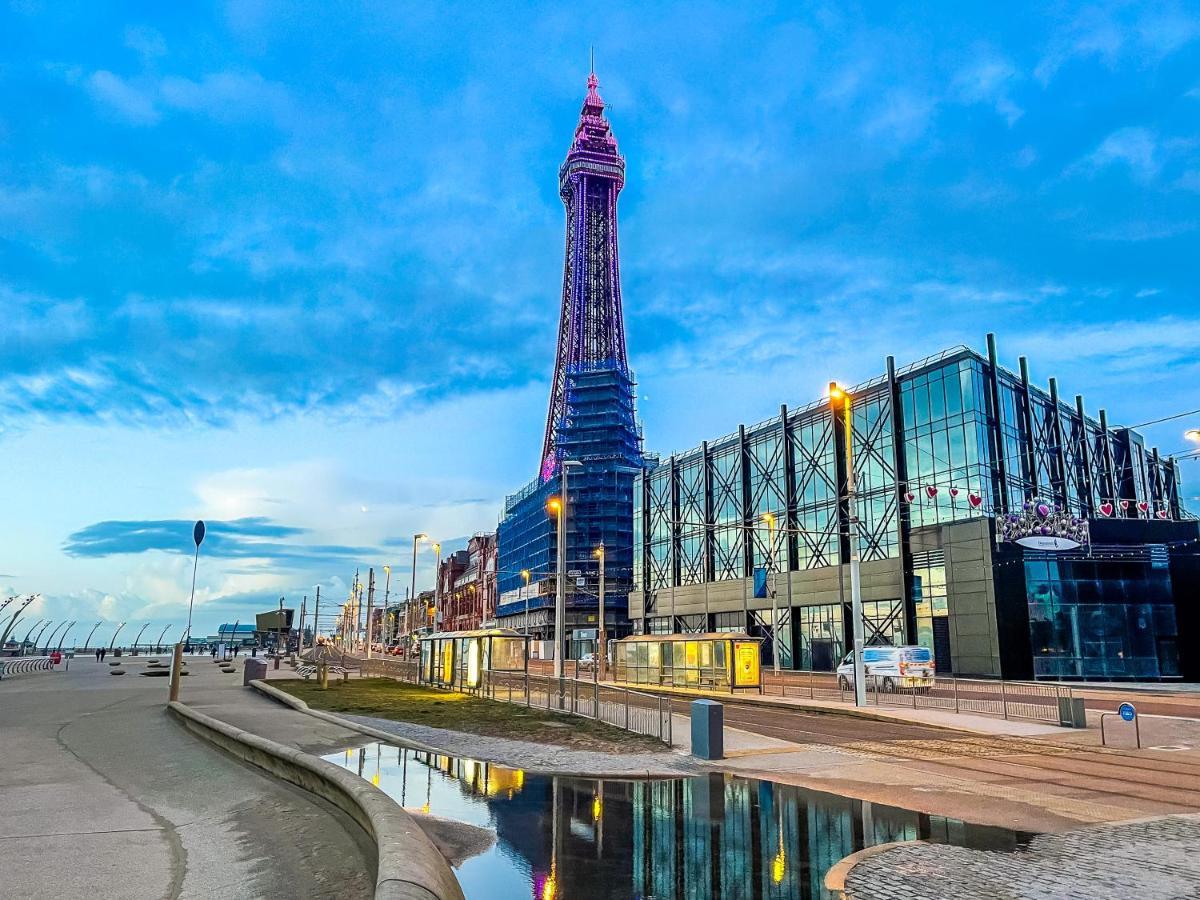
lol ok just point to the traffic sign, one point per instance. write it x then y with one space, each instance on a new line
1127 711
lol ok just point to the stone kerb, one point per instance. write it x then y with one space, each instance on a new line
410 867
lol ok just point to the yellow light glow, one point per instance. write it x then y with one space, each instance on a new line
554 505
769 519
778 867
375 779
1192 434
599 552
525 573
597 807
550 888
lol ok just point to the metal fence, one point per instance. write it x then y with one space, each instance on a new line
982 696
22 665
634 711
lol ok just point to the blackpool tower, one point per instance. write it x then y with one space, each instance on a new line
591 417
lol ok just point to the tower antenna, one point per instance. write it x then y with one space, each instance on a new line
592 60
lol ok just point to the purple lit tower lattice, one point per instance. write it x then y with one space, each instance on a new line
591 329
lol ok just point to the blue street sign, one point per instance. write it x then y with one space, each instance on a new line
1128 713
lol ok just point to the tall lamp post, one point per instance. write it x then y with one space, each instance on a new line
412 593
57 629
603 636
63 639
841 402
770 520
198 537
437 584
139 637
88 640
161 635
113 642
558 506
389 629
526 574
49 622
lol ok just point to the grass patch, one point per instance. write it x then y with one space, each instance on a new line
422 705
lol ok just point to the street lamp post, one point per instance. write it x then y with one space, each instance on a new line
139 637
63 639
198 538
113 642
49 622
412 592
88 640
437 584
770 520
840 401
370 606
525 573
387 590
603 634
560 594
161 635
50 640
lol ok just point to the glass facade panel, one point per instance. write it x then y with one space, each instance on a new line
1101 618
946 451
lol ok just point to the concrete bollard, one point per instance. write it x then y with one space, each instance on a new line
708 729
254 670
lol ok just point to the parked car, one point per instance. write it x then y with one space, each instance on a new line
890 669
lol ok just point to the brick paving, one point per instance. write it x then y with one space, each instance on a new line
1147 859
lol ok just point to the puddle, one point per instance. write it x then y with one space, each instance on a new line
712 836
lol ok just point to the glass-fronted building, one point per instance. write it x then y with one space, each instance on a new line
760 518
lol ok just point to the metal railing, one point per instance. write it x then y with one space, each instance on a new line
23 665
630 710
981 696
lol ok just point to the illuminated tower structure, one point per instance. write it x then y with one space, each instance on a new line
591 417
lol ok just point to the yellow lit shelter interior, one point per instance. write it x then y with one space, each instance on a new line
722 662
460 658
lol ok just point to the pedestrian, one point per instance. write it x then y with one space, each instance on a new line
97 654
214 651
103 653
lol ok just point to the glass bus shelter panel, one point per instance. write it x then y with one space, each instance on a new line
507 654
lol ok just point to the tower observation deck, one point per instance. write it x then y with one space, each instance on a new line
591 416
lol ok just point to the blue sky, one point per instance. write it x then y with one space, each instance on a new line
294 268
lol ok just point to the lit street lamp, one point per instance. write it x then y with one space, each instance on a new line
525 573
1193 434
559 506
770 520
603 634
840 401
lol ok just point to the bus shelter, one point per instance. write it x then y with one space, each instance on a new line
720 662
459 658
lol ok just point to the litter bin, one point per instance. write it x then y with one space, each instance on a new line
254 670
708 729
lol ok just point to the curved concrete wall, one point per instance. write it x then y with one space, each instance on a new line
410 866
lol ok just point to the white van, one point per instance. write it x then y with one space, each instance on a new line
890 668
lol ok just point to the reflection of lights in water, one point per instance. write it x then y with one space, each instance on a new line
550 887
425 808
597 807
375 779
778 866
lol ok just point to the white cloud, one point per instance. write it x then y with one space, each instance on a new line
989 81
1134 147
130 103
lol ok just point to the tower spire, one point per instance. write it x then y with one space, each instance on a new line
591 330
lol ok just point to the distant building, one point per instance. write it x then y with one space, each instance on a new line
468 593
239 633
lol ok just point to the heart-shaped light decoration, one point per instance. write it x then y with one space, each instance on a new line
1106 509
1043 510
909 497
1124 504
931 492
1143 505
1162 513
953 492
975 500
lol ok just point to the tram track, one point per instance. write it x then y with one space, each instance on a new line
1041 763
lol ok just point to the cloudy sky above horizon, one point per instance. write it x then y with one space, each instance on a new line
294 267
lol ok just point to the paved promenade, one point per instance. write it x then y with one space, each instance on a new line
103 795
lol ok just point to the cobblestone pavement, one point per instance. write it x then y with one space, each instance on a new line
1146 859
